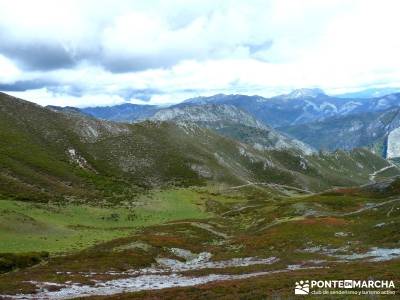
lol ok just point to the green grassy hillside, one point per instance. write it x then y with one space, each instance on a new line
55 228
47 155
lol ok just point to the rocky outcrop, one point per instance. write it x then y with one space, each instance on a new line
369 130
393 144
233 122
209 113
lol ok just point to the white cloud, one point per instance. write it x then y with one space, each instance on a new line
45 97
8 71
90 52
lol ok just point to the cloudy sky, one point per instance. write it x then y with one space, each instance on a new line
85 53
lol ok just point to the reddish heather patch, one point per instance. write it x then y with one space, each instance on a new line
259 240
162 240
351 191
324 221
348 191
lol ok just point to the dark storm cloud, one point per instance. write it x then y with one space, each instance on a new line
48 56
42 54
124 64
52 86
102 52
24 85
134 62
132 55
37 55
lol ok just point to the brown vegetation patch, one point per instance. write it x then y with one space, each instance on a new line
324 221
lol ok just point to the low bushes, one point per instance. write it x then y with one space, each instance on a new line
11 261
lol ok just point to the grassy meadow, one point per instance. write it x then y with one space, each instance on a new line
57 228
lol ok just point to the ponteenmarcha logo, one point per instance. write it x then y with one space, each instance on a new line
353 287
302 287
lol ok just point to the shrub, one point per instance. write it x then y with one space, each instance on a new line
11 261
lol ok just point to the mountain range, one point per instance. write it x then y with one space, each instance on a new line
375 130
302 117
46 153
230 121
298 107
195 193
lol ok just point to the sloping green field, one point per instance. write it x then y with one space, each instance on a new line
26 226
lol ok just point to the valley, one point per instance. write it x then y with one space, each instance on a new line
239 234
199 150
62 227
196 202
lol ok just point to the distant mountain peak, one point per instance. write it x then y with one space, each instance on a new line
205 99
212 113
232 122
305 93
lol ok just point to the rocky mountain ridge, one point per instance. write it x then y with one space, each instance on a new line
232 122
46 154
375 130
298 107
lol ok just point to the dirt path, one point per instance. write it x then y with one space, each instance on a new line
240 209
365 208
210 229
272 185
373 175
203 226
290 219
